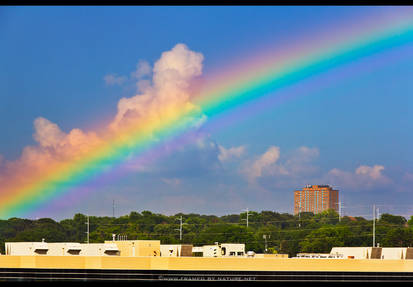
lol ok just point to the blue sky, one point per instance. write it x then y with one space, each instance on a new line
54 61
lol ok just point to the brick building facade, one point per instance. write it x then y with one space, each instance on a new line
316 199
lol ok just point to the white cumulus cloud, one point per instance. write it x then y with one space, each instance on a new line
297 164
363 177
372 171
47 134
113 79
169 92
262 163
143 68
226 154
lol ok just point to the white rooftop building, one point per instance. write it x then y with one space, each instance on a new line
374 252
175 250
61 248
221 250
387 253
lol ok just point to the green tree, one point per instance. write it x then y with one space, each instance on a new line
398 237
393 219
322 240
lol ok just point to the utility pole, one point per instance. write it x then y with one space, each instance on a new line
265 238
339 211
87 229
113 208
247 217
374 225
375 215
180 228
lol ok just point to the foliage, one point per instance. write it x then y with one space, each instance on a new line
282 232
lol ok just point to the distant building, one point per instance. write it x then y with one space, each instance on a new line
315 199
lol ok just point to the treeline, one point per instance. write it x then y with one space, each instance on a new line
279 232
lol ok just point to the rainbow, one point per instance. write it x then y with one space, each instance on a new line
258 78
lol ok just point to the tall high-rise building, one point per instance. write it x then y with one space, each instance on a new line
315 199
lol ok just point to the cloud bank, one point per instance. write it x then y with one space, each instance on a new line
165 94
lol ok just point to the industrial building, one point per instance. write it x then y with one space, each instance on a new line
383 253
176 250
374 252
148 260
137 247
124 248
315 199
153 248
62 249
220 250
118 268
